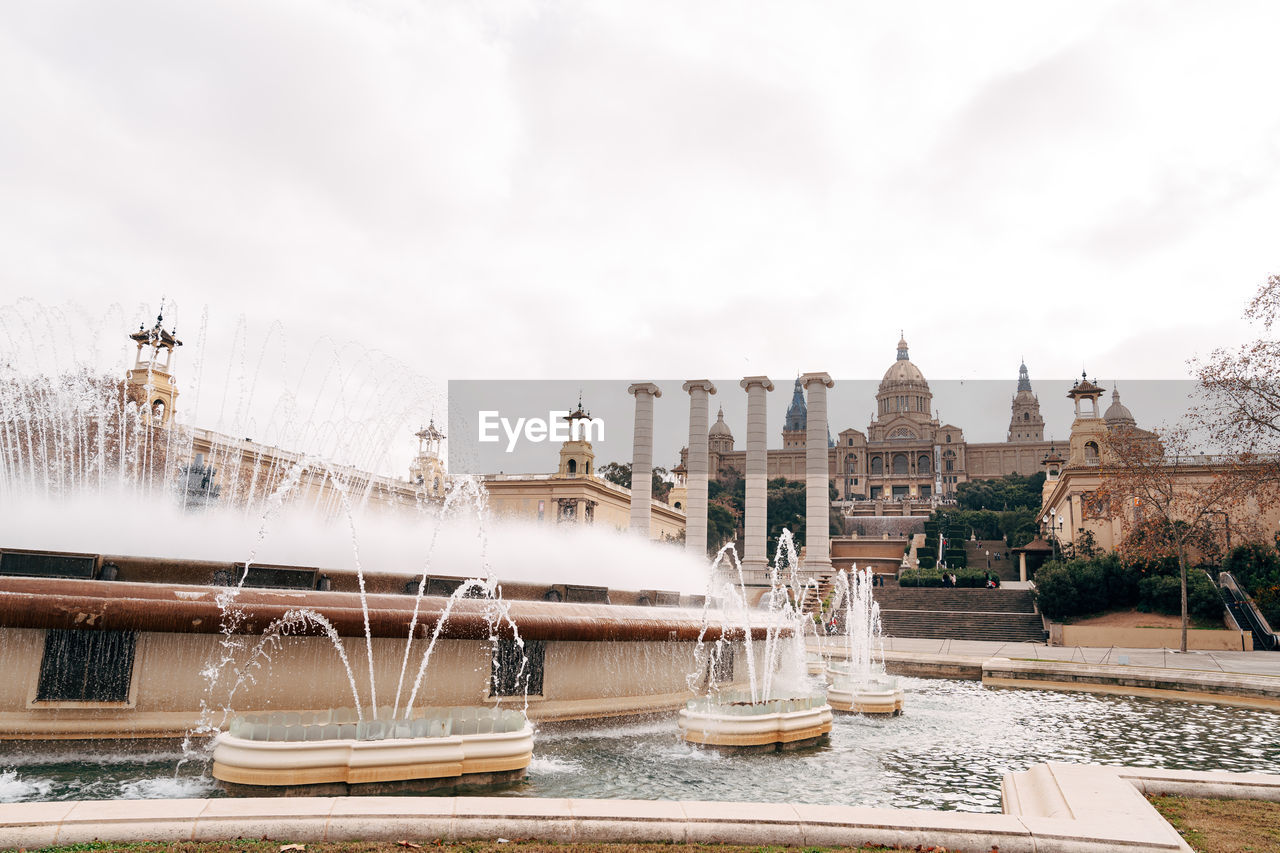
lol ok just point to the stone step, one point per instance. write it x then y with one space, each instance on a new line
1000 627
960 600
976 553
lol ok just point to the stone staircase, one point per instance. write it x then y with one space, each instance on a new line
813 598
976 553
1000 615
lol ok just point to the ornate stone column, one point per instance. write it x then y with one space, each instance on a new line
755 560
817 514
695 530
642 457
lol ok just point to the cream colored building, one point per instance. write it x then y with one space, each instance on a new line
908 460
574 494
1071 505
214 467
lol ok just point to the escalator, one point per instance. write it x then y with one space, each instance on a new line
1246 613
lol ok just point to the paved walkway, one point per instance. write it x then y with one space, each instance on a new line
1253 663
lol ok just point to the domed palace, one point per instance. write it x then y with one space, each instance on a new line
907 459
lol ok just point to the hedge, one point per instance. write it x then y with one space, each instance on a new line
1082 587
927 577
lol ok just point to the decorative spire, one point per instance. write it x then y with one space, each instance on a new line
903 355
797 412
1024 379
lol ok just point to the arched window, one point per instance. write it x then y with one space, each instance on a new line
949 460
877 465
573 466
1026 416
948 438
1090 451
851 464
157 411
900 464
922 464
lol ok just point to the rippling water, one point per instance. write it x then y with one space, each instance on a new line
948 751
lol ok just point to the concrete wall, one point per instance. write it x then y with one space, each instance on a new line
1152 638
581 679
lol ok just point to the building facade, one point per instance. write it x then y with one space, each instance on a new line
907 460
1072 508
574 494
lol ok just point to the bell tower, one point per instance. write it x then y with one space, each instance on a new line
1025 422
427 468
1088 430
795 426
577 459
150 383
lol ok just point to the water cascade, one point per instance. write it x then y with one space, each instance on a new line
333 749
779 707
861 684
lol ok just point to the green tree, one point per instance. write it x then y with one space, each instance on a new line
619 473
1012 491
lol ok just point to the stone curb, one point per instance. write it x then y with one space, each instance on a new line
1053 808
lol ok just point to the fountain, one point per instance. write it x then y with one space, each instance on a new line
780 709
332 752
861 685
275 654
225 619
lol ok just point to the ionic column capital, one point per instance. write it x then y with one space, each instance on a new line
751 381
644 388
808 379
699 384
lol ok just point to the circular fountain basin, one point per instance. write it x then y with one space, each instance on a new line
814 664
738 722
876 695
329 751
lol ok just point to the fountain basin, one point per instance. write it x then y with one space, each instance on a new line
874 696
773 724
471 745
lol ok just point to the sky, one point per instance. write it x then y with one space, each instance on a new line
399 194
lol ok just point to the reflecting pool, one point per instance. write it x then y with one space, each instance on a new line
948 751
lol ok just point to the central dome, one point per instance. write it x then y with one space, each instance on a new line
904 391
902 371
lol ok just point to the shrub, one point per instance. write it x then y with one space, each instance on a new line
1121 579
1268 600
1254 565
1203 599
1056 591
920 577
1090 578
1163 594
1160 594
927 556
956 558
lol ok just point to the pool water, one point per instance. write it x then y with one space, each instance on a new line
948 751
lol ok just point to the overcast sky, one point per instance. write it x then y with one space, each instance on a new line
441 190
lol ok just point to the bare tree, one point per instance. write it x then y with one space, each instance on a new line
1239 408
1169 500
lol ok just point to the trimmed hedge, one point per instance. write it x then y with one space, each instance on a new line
927 556
972 578
1083 587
